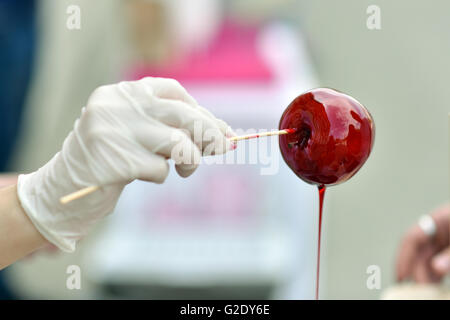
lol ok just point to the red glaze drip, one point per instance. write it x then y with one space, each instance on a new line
321 197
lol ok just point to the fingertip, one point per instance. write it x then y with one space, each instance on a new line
185 170
399 274
157 172
441 264
163 173
229 133
169 88
231 145
223 146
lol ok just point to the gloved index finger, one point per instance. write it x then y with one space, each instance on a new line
177 114
171 89
166 88
170 143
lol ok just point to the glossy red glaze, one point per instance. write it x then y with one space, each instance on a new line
334 136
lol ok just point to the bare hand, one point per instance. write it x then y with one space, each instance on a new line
423 258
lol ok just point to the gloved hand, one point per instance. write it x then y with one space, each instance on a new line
127 131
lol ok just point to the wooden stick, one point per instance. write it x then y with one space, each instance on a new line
78 194
262 134
85 191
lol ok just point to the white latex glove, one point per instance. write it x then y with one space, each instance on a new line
127 131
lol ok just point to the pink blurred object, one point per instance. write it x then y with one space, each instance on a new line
231 57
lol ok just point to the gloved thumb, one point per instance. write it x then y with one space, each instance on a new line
441 262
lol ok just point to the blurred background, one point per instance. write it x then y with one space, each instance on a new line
245 60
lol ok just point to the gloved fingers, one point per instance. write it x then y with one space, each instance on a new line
154 168
142 91
215 143
223 126
166 88
203 130
171 89
171 143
